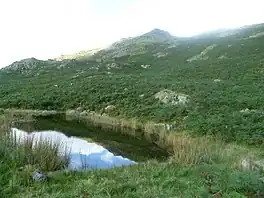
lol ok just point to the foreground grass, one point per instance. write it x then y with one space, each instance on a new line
199 167
146 180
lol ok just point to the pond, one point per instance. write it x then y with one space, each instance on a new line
100 148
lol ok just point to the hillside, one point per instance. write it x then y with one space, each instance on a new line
209 84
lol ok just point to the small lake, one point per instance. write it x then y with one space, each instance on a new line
104 148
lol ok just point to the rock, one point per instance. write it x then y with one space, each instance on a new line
71 112
173 46
170 97
141 96
110 108
39 176
258 165
160 54
247 110
98 60
251 165
80 109
145 66
112 65
167 127
84 113
257 35
170 127
25 65
217 80
246 164
261 179
223 57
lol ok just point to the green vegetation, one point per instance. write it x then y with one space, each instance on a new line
219 126
214 107
148 180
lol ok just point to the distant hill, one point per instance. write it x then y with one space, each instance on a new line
208 84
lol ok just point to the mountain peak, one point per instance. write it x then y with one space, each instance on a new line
158 31
23 64
158 34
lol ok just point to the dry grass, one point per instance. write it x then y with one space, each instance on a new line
184 148
189 150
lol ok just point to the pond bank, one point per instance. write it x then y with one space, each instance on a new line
135 147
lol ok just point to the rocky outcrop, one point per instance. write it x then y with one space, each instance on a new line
112 66
256 165
24 65
171 98
110 108
160 54
217 80
203 54
145 66
137 45
222 57
257 35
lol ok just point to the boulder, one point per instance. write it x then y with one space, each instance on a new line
80 109
160 54
172 98
110 108
252 165
145 66
112 65
39 176
84 113
217 80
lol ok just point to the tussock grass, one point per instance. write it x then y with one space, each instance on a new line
44 154
192 151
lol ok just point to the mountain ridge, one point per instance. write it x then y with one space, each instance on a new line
207 85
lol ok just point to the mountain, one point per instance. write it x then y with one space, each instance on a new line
126 46
78 55
208 84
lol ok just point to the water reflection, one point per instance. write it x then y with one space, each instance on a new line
83 155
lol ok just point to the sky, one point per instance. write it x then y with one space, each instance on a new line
49 28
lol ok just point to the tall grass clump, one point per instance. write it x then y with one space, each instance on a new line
193 151
41 153
44 153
